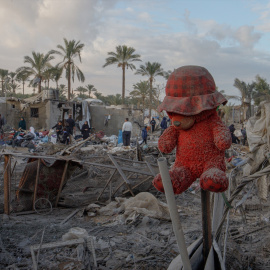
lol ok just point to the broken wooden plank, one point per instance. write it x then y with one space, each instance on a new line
62 182
70 216
109 180
58 244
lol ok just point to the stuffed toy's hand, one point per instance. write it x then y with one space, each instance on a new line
168 140
222 136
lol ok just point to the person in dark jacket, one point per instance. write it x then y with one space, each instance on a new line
234 138
244 134
22 124
153 124
70 124
85 130
144 135
59 129
65 137
163 125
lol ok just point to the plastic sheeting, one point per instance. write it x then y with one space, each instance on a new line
86 116
258 128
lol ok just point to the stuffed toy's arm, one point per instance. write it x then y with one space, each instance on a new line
222 135
168 140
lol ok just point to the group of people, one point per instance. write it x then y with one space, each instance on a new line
64 132
235 139
127 128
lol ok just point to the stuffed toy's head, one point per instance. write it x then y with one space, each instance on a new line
190 90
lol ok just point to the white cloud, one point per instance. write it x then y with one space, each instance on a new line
225 50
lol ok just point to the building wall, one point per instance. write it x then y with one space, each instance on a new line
118 115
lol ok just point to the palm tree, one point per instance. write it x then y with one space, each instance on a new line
246 91
57 73
14 87
262 90
167 74
22 77
62 90
141 92
81 91
151 70
3 76
123 58
12 76
70 51
39 63
90 88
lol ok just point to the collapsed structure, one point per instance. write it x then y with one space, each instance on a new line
102 212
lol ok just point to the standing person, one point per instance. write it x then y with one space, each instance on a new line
234 138
1 123
144 135
22 124
244 133
153 124
126 129
65 137
59 129
70 125
163 125
85 130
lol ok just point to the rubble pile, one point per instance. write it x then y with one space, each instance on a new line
105 213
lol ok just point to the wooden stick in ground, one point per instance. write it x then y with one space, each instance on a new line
177 228
7 184
62 183
36 183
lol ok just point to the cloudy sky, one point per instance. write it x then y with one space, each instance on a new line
231 38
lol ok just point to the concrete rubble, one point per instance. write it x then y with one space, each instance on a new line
93 221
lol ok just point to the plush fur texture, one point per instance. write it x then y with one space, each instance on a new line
200 152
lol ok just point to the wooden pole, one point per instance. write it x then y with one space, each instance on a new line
36 184
206 223
7 185
62 183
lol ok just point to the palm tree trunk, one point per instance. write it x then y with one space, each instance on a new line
69 83
123 84
48 84
23 87
150 97
39 87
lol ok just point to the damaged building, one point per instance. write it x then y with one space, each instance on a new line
44 110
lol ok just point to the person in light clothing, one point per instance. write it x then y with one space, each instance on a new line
126 129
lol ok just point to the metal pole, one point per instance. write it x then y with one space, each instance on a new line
177 228
206 223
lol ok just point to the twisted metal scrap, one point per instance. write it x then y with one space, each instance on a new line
238 189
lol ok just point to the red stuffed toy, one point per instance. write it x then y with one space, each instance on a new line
197 132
